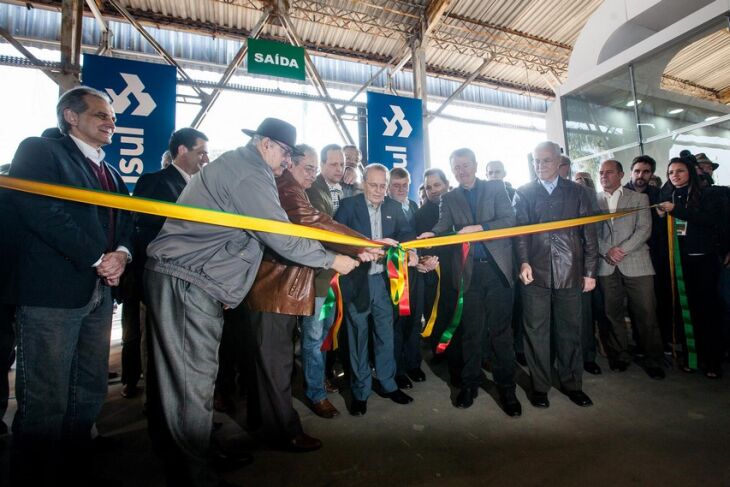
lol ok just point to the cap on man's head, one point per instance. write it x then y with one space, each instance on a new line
703 159
278 130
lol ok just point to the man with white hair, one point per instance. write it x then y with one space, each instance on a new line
555 267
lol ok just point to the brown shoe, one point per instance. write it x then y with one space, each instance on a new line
303 443
325 409
330 386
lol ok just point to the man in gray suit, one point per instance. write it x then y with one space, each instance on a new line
474 206
625 271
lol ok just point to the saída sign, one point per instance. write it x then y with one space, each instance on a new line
275 59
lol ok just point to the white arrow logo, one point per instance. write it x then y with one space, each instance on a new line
392 125
135 87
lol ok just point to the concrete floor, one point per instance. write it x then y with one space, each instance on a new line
640 432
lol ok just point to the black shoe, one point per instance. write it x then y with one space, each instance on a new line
521 359
618 365
399 397
228 460
540 400
656 373
403 382
510 404
592 368
466 397
358 408
580 398
416 375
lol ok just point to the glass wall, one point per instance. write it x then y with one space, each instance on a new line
654 113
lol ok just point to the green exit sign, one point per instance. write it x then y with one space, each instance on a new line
275 59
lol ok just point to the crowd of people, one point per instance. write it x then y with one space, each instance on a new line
208 309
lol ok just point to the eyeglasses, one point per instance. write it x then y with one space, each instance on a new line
311 170
286 150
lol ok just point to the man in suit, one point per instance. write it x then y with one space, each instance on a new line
436 185
189 150
555 267
326 192
72 254
642 170
407 329
365 293
325 195
478 205
625 272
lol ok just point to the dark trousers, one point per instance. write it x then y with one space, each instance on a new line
639 293
7 353
269 337
487 306
446 307
663 293
231 363
407 329
563 306
701 274
594 313
131 342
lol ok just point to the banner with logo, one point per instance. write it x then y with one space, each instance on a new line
275 59
395 135
143 97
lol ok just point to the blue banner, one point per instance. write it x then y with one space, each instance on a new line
395 135
143 97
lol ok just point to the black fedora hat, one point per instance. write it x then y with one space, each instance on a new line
277 130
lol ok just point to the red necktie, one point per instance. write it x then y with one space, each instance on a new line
107 184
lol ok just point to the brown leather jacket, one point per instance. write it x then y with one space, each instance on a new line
559 259
282 286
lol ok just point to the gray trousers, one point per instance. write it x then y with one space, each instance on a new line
639 292
186 328
539 305
269 339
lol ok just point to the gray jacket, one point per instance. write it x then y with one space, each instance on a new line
628 232
223 261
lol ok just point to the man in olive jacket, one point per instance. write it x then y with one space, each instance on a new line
555 267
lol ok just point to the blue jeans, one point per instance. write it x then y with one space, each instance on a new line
62 369
381 309
314 332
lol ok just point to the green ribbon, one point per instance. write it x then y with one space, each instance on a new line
448 334
689 332
329 304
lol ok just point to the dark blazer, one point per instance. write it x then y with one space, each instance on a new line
353 212
163 185
494 210
61 240
319 196
559 259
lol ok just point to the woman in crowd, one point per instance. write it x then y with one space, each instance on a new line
698 212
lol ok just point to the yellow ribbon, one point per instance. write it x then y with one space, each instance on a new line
220 218
434 310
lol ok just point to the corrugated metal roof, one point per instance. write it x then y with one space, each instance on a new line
705 62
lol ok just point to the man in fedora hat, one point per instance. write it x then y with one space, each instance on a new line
194 271
705 164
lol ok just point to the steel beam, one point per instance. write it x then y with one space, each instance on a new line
461 88
314 76
161 50
72 16
48 71
235 63
420 91
106 34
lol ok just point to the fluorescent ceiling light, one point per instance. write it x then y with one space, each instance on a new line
631 103
675 111
708 119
